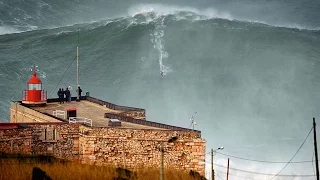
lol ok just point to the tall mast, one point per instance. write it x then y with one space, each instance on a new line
78 65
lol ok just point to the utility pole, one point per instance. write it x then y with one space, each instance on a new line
212 171
78 67
228 170
315 147
162 165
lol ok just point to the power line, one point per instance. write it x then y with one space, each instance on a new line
262 161
294 154
189 126
267 174
238 176
219 177
62 77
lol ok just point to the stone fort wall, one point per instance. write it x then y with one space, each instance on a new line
129 148
136 148
58 139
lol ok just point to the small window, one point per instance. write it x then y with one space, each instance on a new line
50 134
34 86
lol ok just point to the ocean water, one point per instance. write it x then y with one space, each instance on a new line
250 69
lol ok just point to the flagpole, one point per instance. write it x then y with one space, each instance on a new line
78 66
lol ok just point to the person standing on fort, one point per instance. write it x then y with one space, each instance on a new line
79 91
67 92
59 93
70 89
62 95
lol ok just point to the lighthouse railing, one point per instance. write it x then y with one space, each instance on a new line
43 95
57 113
24 95
80 120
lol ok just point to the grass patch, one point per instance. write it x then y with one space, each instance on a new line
19 166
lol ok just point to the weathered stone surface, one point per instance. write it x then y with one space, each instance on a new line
132 148
134 114
33 140
136 148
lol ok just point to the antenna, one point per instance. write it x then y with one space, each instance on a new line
34 69
78 64
193 123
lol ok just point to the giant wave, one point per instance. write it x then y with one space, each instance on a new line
253 84
153 11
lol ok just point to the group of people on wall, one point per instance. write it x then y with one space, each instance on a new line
65 95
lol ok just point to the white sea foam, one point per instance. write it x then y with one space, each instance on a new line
8 30
157 40
151 12
63 32
163 10
201 14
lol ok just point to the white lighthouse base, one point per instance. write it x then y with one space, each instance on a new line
34 103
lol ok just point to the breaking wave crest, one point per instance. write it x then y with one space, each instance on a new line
146 13
154 11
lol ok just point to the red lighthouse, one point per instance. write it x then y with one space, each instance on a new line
34 95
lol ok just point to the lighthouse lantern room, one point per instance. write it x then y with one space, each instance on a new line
34 95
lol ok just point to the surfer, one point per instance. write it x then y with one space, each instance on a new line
161 73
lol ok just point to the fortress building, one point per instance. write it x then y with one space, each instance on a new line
97 132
